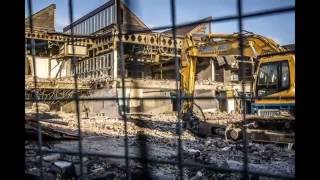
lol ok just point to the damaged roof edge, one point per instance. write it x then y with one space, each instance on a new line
183 28
134 15
53 6
92 13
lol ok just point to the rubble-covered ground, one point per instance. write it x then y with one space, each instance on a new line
153 137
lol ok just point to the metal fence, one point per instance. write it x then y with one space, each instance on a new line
180 160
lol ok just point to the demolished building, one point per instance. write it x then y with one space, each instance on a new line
148 56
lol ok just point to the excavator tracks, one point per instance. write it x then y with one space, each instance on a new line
279 130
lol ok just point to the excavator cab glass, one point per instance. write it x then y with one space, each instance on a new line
272 77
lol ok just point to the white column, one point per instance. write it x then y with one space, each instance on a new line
212 70
115 64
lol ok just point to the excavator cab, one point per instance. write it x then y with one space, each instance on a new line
274 86
273 89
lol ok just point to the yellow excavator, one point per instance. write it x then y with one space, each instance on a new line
272 95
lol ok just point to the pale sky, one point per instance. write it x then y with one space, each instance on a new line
153 13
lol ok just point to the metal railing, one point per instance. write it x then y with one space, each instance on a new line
180 160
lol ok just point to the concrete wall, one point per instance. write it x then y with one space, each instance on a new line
42 67
157 105
149 89
211 105
107 107
154 106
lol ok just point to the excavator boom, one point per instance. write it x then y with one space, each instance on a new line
219 45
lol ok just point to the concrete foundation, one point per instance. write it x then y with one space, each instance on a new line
154 106
106 107
152 91
206 105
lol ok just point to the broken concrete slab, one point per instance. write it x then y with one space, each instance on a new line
41 107
51 157
64 169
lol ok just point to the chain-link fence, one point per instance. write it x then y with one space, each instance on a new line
179 162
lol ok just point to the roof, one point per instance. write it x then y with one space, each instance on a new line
289 46
134 22
90 14
43 19
182 31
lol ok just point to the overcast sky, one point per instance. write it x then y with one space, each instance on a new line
153 13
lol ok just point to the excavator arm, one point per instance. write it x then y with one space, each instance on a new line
219 45
211 46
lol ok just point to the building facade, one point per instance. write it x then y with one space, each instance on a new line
148 58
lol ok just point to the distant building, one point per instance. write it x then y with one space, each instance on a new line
289 47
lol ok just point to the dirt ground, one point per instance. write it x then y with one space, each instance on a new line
153 137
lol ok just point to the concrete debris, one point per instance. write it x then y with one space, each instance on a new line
105 135
48 132
199 174
226 148
51 157
290 146
77 169
62 164
63 169
41 107
193 151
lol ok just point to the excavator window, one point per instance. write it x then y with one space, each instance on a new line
272 78
285 75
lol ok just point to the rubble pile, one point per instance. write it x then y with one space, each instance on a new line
97 82
153 137
223 116
208 82
93 83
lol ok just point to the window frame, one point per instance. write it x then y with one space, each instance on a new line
279 78
281 75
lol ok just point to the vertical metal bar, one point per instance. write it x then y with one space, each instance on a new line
141 136
161 71
177 69
252 76
49 66
117 4
36 90
76 95
245 158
